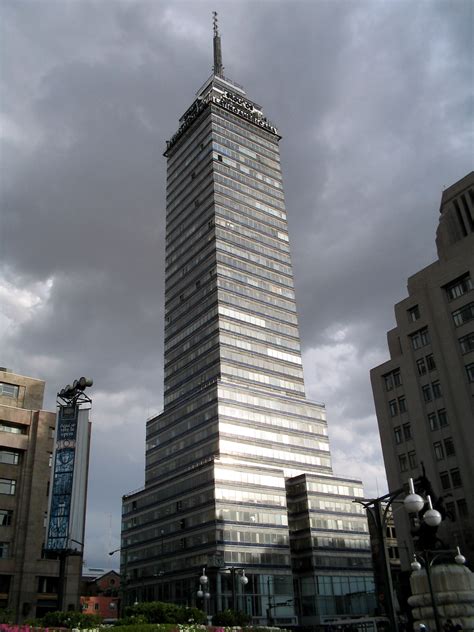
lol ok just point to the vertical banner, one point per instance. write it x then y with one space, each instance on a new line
68 486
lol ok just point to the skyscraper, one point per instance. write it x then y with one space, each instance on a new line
424 395
238 472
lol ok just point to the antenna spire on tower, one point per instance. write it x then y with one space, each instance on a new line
218 67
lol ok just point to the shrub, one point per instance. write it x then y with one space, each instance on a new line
231 618
161 612
70 619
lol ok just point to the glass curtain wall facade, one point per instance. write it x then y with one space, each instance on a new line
236 427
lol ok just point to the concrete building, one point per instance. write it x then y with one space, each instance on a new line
28 581
238 472
424 395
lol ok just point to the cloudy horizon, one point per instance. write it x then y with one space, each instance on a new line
374 103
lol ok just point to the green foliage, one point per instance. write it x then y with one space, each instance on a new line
70 619
231 618
161 612
142 627
6 615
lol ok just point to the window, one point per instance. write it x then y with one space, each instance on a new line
436 388
442 418
467 343
50 459
7 486
8 390
449 447
421 366
438 450
48 584
407 431
470 371
426 390
393 407
420 338
455 477
426 364
4 549
462 508
433 421
458 287
6 516
7 426
464 314
398 434
96 606
412 459
444 478
392 379
9 456
402 405
402 459
413 313
451 510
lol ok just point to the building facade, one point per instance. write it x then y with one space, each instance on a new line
238 474
424 395
28 581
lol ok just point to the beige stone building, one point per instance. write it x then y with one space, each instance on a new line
424 395
28 581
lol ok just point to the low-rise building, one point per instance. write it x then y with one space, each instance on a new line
29 578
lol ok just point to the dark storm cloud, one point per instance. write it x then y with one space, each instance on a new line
374 102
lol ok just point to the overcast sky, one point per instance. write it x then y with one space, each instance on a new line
374 103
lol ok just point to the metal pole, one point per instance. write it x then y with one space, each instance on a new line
232 577
62 579
437 619
388 595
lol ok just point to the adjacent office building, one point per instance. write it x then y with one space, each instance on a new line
424 395
28 581
238 475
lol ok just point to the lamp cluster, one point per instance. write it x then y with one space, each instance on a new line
203 590
415 503
77 387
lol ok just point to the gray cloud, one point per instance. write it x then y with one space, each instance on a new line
374 102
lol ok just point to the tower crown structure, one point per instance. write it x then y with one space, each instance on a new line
238 451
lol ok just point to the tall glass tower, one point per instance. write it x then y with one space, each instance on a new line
238 473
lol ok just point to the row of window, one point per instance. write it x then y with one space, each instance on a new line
444 448
431 391
454 290
397 406
438 419
467 343
470 371
425 364
464 314
451 478
420 338
392 379
8 390
457 509
458 287
402 433
10 457
407 461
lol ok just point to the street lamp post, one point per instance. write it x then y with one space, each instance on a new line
428 558
243 579
377 509
203 590
123 580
